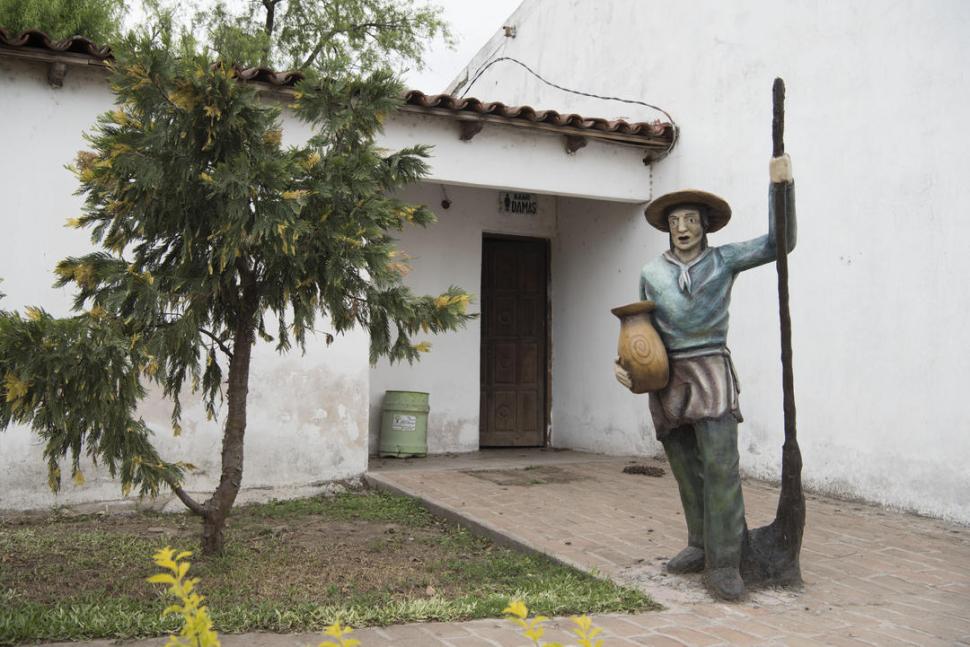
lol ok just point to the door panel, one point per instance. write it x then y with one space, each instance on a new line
514 342
504 358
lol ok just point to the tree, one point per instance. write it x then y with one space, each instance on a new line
98 20
210 230
331 37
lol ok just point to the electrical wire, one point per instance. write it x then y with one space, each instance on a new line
481 70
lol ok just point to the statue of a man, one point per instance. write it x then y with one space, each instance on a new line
697 414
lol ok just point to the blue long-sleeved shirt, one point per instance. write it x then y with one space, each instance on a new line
693 299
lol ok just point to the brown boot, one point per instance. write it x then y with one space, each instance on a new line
689 560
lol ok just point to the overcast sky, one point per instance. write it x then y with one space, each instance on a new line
473 22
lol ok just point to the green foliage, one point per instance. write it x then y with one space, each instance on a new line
208 221
370 506
73 381
86 576
98 20
197 631
333 37
211 232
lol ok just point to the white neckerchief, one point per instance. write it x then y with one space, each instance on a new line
684 279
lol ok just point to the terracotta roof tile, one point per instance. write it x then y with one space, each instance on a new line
34 39
654 132
272 77
449 102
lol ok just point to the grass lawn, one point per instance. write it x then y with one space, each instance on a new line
364 558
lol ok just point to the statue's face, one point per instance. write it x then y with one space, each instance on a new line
686 230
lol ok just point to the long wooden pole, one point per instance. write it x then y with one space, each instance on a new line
771 553
790 516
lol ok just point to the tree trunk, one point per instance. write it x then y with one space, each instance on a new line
268 28
217 508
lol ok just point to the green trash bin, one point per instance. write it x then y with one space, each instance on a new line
404 424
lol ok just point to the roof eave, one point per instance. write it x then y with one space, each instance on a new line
655 146
652 143
46 56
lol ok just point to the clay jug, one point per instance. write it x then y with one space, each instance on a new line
640 348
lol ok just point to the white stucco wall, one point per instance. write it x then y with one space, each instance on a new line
592 273
312 418
449 252
307 414
877 97
517 158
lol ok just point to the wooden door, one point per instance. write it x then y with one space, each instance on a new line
514 346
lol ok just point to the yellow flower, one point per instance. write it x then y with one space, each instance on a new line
85 159
401 268
16 388
84 275
137 71
338 631
583 622
119 149
183 98
54 479
152 367
516 608
273 137
312 160
534 633
459 300
585 631
117 206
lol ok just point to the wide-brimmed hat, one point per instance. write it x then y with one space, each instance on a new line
718 211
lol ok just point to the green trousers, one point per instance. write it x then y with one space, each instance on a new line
704 459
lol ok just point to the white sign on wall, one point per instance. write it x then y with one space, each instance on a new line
519 203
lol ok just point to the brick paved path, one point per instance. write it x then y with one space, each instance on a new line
873 577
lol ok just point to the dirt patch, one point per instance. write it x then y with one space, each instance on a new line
297 556
532 475
646 470
367 558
